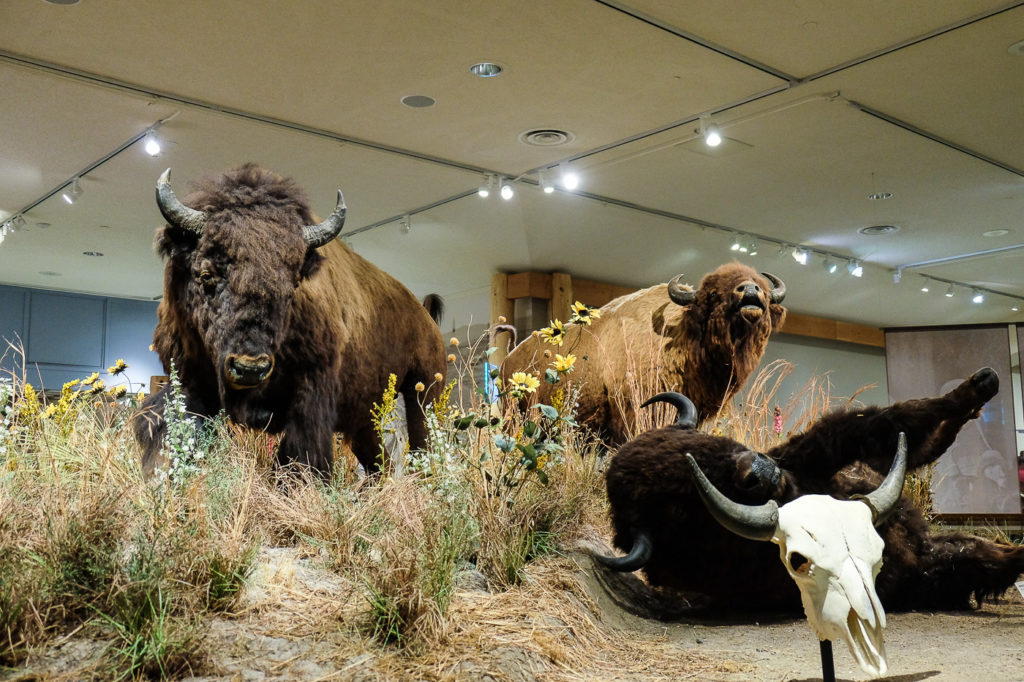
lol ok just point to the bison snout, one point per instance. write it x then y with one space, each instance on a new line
247 371
756 473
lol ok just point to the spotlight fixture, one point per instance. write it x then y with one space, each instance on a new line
800 255
405 224
18 222
506 191
751 247
570 180
710 132
737 245
151 144
950 291
1015 308
925 289
977 296
830 265
855 268
544 175
488 184
71 194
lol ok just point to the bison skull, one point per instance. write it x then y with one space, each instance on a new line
831 550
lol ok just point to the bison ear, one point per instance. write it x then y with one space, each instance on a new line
171 242
311 264
778 314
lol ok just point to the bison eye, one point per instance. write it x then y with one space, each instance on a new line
208 278
799 563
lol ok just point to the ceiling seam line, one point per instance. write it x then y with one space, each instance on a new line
697 40
935 33
910 127
124 86
961 257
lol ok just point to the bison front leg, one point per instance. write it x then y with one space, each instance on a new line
869 435
308 439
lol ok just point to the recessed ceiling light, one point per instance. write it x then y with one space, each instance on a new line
49 273
62 2
94 254
546 137
880 196
42 226
878 229
1017 49
995 233
486 69
418 101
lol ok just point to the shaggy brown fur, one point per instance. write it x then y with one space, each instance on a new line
705 350
845 453
335 325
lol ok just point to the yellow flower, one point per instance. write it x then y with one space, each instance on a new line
564 363
525 382
454 341
451 357
117 367
50 410
555 334
97 387
502 319
92 378
582 314
419 387
118 391
438 377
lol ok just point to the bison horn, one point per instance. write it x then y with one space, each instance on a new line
754 522
680 295
176 213
778 287
882 500
637 557
687 411
318 235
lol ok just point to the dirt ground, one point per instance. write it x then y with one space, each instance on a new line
985 645
280 637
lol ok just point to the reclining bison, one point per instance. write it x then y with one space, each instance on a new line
267 316
704 343
661 521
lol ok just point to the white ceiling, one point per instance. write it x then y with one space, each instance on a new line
822 103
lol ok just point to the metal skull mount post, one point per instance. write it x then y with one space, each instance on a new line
831 550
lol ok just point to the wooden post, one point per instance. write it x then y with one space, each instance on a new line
560 303
501 306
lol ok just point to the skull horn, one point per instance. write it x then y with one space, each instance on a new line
687 411
754 522
174 212
778 287
883 499
680 295
318 235
637 557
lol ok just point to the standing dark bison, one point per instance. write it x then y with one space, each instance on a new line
267 317
703 343
661 521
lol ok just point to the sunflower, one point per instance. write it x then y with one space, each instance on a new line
117 367
582 314
91 379
564 363
526 382
555 334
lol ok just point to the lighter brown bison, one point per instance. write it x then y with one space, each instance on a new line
703 343
268 317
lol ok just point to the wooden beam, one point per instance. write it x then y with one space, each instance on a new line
562 290
502 305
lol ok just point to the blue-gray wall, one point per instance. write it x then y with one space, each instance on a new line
69 336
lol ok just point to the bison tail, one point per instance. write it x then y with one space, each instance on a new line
435 306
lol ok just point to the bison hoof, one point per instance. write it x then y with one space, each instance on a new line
985 382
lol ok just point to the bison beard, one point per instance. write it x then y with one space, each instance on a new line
658 515
703 343
267 317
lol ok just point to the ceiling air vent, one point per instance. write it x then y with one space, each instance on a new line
878 229
546 137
